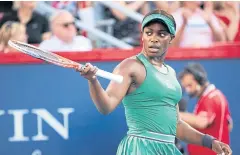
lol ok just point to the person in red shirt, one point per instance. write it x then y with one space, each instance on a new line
211 115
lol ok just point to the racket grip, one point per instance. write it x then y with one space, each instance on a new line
109 76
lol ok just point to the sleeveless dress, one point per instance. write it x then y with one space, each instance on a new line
151 114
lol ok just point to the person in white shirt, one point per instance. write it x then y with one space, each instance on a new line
197 27
65 37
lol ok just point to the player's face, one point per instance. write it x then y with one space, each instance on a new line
190 85
156 39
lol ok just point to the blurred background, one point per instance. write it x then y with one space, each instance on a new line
117 24
46 110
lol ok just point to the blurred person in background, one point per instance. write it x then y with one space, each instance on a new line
126 28
229 15
65 37
211 115
5 6
197 27
71 6
36 24
169 6
11 30
82 10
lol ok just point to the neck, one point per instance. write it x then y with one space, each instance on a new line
158 61
155 60
25 12
204 87
67 41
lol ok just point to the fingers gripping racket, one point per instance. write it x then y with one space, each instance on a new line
58 60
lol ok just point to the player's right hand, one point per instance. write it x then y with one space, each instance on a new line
88 71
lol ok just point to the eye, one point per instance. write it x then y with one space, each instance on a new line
162 34
149 33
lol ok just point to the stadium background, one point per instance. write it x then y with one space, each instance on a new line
47 110
26 83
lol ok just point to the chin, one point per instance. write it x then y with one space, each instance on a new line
157 54
150 51
152 54
193 95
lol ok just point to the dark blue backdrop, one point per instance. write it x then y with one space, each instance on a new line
35 86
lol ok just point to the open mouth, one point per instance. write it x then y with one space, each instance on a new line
154 48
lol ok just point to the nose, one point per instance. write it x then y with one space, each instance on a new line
154 39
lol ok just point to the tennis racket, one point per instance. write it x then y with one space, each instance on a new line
58 60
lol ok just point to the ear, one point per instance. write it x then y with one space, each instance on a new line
172 37
198 87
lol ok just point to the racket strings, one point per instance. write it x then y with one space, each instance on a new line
47 56
41 53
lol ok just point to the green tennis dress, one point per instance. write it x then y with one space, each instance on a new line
151 114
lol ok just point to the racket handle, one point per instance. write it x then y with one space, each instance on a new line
109 76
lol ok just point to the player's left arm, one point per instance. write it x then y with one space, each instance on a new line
188 134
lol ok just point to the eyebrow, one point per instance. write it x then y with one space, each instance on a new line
149 29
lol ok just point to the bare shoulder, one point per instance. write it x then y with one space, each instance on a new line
129 65
133 72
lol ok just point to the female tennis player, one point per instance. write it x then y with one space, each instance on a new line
150 93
